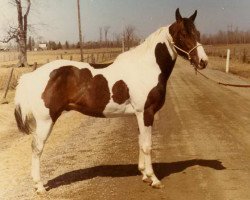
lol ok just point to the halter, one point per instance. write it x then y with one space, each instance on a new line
186 52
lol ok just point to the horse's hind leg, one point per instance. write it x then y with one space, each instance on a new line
43 129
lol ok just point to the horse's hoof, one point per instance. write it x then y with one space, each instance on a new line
40 191
39 188
158 185
147 180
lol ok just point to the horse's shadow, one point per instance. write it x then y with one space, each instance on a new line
162 170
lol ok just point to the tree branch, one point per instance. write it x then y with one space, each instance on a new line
12 33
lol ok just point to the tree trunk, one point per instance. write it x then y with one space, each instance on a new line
19 33
22 53
22 32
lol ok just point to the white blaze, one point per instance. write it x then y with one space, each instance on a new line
201 53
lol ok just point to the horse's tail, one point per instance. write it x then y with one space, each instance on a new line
22 108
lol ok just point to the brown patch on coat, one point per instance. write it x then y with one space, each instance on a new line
70 88
23 126
156 96
120 92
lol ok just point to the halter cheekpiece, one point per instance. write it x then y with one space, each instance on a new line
186 52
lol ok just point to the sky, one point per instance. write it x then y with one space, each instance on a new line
57 19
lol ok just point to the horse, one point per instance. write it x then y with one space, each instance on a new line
134 84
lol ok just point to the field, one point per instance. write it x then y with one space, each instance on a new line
239 58
239 52
8 59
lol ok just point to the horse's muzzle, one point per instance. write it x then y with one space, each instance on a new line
199 65
203 64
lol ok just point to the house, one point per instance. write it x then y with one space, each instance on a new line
42 46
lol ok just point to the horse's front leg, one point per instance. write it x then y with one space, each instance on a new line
145 145
141 165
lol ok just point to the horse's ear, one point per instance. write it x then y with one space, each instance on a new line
178 16
192 17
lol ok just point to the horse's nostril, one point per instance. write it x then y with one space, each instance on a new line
204 63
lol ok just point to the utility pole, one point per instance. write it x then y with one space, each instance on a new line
123 36
80 29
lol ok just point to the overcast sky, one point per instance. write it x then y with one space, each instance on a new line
59 17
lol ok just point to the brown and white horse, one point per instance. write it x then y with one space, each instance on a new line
135 84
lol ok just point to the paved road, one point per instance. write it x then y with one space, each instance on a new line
201 149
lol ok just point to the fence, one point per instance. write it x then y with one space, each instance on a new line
42 57
8 56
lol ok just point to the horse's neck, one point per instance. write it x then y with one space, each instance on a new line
144 55
147 48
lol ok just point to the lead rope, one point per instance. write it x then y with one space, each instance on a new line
198 72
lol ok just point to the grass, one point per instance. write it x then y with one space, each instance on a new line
239 58
238 52
8 59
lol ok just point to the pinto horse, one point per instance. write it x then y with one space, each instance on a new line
134 84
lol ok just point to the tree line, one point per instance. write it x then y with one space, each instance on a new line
128 37
235 36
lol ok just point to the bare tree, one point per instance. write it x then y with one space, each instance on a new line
19 33
117 39
129 35
106 30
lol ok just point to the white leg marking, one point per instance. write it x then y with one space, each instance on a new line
145 145
141 167
43 130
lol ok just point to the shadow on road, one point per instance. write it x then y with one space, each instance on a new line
162 170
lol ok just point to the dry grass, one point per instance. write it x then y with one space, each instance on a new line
236 67
239 52
11 58
238 64
4 74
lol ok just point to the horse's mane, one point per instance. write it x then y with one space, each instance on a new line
149 43
154 37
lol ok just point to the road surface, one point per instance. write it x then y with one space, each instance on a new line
201 148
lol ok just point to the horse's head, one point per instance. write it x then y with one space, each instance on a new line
186 40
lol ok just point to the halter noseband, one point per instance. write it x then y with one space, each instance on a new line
186 52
